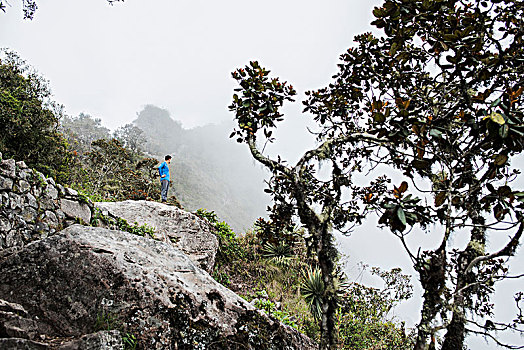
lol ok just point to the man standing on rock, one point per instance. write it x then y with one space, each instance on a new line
163 170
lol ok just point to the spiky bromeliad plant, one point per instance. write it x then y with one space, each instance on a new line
312 288
280 254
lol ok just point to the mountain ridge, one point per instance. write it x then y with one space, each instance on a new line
209 170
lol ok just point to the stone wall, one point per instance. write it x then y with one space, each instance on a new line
33 206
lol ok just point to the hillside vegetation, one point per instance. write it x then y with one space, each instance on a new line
277 275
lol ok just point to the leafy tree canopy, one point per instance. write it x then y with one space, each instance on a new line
131 137
365 320
437 98
30 119
82 131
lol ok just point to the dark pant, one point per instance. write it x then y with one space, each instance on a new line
163 189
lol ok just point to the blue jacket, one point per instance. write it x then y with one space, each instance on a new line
163 169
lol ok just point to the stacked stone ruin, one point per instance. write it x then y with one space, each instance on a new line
34 207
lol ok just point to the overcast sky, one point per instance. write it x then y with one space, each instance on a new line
110 61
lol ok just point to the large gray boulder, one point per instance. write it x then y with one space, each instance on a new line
75 209
151 290
185 230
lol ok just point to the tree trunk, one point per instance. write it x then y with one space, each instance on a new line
455 335
432 270
320 229
327 256
454 338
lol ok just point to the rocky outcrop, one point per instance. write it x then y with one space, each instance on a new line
21 344
142 287
185 230
66 286
19 330
33 206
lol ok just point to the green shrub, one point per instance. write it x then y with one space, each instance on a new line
30 119
364 318
270 308
312 288
254 275
122 225
210 216
221 277
228 244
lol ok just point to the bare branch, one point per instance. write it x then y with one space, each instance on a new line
271 164
508 250
486 334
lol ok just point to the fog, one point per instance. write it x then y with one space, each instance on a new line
111 61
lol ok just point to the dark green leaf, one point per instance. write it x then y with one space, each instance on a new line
498 212
401 215
496 102
504 191
501 159
394 48
379 117
403 187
